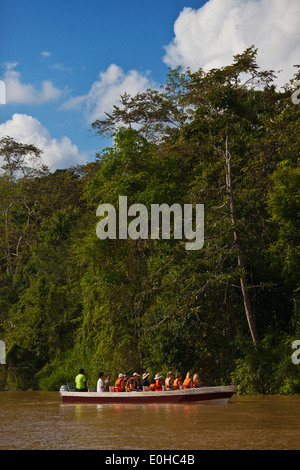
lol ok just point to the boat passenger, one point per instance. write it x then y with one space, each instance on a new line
100 383
169 381
158 383
188 381
80 381
144 382
196 381
126 378
177 382
119 385
152 386
107 383
132 383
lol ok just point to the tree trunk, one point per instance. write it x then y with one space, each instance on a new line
245 291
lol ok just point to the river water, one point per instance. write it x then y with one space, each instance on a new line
39 421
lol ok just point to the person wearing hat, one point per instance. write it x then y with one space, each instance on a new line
158 383
144 382
132 383
169 381
120 385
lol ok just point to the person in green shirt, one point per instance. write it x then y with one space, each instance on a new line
80 381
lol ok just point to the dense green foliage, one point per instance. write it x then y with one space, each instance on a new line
70 300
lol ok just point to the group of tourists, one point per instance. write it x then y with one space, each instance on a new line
130 383
174 382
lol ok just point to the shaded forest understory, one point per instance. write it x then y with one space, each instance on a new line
230 311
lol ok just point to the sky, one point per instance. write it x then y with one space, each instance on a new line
65 63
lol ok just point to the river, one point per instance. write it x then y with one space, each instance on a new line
39 421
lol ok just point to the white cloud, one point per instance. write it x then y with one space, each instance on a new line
56 153
210 36
18 92
45 54
106 91
61 67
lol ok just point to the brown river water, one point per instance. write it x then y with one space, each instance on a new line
39 421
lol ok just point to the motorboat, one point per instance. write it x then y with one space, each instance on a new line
218 394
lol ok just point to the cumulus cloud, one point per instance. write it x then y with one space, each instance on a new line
57 154
19 92
106 91
210 36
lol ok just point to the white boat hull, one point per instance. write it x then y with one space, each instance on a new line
220 394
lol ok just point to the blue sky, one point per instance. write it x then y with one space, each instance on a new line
66 62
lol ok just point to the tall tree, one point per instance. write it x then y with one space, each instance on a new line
21 163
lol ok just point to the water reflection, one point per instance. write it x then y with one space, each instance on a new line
38 420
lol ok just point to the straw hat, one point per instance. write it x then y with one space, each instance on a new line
157 377
136 374
144 376
121 375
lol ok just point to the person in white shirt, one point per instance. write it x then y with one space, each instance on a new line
100 383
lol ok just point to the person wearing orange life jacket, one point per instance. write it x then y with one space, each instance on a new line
119 385
132 383
196 381
177 382
152 386
188 381
158 383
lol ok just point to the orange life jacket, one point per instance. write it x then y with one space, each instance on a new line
195 384
158 385
152 387
127 385
119 384
176 384
187 383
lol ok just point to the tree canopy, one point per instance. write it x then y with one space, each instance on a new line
227 139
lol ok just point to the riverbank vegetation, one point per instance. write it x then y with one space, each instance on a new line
228 139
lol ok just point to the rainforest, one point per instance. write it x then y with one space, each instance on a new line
227 139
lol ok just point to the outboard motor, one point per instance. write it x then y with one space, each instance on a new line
64 388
